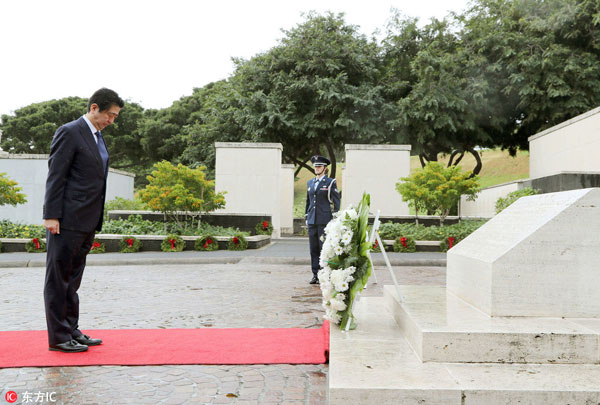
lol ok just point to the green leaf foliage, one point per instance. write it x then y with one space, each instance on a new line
436 189
181 193
10 192
504 202
391 231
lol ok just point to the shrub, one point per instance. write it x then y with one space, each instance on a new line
405 244
9 229
264 228
133 225
461 230
35 245
437 189
10 192
130 244
237 242
172 243
181 193
206 243
98 247
510 198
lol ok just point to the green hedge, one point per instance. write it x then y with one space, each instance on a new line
135 225
461 230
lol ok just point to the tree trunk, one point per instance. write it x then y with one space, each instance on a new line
427 157
301 165
478 166
453 155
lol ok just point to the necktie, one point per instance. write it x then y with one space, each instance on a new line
102 149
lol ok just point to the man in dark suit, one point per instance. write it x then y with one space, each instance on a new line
73 211
321 193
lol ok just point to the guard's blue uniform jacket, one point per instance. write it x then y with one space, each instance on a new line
319 197
318 201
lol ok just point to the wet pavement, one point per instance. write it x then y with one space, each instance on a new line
263 288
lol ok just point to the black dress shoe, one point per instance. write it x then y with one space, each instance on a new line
315 280
88 341
71 346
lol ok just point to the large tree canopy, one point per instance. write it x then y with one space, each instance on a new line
315 91
31 128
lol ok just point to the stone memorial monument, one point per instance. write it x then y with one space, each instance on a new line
518 320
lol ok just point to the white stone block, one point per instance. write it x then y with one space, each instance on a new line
250 173
376 169
375 365
443 328
538 257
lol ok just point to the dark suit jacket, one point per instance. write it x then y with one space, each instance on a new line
318 207
76 184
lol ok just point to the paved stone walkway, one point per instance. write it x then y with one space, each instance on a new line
244 294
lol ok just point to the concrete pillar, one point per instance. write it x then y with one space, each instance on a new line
31 171
287 199
376 169
250 173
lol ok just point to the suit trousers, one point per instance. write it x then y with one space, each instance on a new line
65 262
315 244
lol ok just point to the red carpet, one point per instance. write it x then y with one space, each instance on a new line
136 347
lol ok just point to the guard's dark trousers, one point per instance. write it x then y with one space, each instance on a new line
65 261
316 244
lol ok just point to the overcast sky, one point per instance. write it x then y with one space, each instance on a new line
154 52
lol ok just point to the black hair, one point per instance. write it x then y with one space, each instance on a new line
105 98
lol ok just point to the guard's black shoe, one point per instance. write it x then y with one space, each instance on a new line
88 341
315 280
72 346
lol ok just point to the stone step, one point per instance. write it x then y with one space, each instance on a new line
374 364
443 328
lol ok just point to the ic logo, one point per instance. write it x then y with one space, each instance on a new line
11 397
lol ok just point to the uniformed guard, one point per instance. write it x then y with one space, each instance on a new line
321 193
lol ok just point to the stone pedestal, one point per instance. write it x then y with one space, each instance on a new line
538 257
519 320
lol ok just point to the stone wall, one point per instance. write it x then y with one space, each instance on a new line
485 203
572 146
30 171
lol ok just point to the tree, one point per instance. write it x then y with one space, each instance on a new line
542 57
314 91
219 119
437 189
10 192
181 193
31 128
439 107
